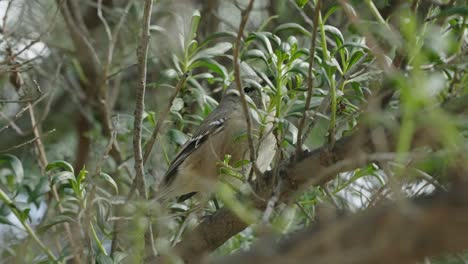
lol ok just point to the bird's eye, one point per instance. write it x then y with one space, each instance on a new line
248 89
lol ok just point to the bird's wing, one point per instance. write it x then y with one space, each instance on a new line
212 125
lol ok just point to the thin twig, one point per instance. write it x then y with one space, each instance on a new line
26 142
310 80
142 56
12 123
272 203
162 118
5 19
21 112
351 163
87 55
112 37
245 107
332 197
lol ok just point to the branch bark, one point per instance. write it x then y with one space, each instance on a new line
142 56
424 227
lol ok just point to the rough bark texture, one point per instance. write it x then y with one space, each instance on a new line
402 233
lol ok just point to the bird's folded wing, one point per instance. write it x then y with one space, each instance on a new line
212 125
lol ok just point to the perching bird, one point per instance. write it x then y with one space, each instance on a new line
223 132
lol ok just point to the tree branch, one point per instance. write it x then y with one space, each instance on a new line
387 234
316 167
245 107
142 56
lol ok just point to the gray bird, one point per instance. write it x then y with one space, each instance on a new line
195 169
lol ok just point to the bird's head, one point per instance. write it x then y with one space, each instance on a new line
252 88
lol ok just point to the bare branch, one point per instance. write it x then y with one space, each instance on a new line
387 234
142 55
245 107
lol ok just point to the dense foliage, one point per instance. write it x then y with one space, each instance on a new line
388 76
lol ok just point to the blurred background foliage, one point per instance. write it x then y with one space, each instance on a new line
67 101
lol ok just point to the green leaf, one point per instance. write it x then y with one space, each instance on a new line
211 65
192 47
14 165
354 58
104 259
119 256
292 27
262 37
301 68
81 176
216 50
4 221
330 11
194 25
24 215
178 137
177 105
291 130
336 33
60 164
158 29
241 163
176 62
63 176
456 10
255 54
58 219
151 116
216 35
109 179
204 75
301 3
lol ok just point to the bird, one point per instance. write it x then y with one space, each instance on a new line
194 170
